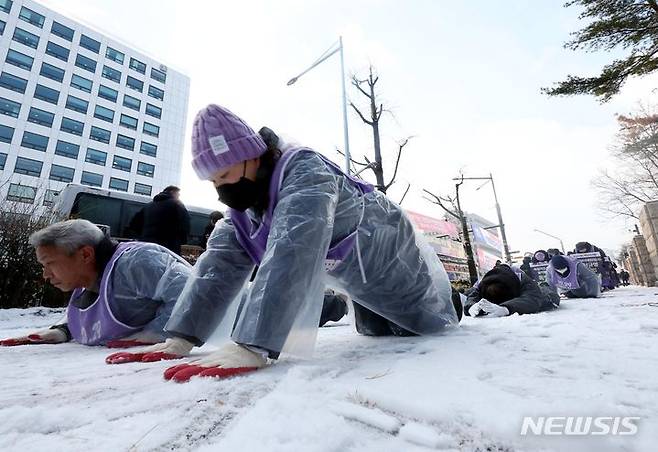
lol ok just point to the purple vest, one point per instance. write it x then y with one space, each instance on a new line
253 238
568 283
97 324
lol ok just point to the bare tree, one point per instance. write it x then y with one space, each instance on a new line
635 178
456 212
376 109
21 282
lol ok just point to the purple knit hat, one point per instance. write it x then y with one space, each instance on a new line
220 139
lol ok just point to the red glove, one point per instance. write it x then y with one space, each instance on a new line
172 348
228 361
183 372
123 343
50 336
125 357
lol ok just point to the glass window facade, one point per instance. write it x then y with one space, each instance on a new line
19 59
9 107
71 126
125 142
32 17
136 84
6 134
151 129
122 163
108 93
26 38
98 134
52 72
61 173
66 149
145 169
131 102
90 44
104 113
34 141
21 193
77 104
96 157
85 63
50 197
13 82
143 189
62 31
57 51
41 117
148 149
91 179
111 74
3 160
156 93
154 111
83 84
158 75
137 66
46 94
114 55
128 122
28 167
5 5
118 184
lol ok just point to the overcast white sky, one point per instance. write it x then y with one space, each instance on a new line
462 77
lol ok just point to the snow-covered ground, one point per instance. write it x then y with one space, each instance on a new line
465 390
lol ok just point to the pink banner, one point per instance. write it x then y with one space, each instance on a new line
429 225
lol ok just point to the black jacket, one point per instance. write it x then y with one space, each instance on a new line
530 298
164 221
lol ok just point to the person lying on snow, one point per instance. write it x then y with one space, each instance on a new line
572 278
123 294
306 224
506 290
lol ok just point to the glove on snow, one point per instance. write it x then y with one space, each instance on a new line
230 360
172 348
489 308
135 340
50 336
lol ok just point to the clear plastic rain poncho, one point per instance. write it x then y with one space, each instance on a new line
146 283
391 271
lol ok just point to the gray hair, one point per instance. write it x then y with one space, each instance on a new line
69 235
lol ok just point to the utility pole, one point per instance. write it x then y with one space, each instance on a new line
501 224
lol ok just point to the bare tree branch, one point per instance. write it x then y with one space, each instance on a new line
439 202
405 194
360 115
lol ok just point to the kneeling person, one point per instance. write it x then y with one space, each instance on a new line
505 290
123 294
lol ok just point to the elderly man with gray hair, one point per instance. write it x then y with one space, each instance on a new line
123 294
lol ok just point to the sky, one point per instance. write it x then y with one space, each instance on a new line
462 79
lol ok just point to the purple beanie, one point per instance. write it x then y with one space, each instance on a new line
220 139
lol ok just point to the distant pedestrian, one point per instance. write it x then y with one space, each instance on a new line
164 221
213 219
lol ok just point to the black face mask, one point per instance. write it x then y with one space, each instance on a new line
242 194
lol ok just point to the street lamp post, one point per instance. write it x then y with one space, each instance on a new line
326 55
553 237
501 224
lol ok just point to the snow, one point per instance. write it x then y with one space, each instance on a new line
466 390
